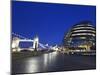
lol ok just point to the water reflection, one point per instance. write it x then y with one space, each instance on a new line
31 65
35 64
49 58
45 56
52 62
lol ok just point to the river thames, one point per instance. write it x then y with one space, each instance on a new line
53 62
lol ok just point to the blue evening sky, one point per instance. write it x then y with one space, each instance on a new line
48 21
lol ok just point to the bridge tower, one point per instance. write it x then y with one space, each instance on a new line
15 44
35 43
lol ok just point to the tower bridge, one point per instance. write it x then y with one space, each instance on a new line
16 40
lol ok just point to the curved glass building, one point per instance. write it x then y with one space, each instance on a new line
81 37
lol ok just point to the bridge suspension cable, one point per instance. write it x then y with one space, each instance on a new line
20 36
42 45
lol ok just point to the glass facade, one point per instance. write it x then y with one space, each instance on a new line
81 36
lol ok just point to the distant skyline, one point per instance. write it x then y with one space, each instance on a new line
49 21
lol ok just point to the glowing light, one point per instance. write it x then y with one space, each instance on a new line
83 27
83 34
84 31
35 42
13 50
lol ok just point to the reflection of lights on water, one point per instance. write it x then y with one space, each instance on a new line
49 58
35 64
32 65
54 54
45 59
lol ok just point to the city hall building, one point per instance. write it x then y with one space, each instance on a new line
81 37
